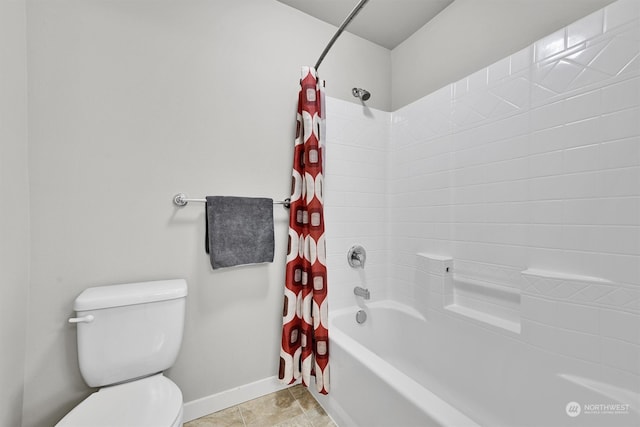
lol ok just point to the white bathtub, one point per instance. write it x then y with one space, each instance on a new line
366 388
400 369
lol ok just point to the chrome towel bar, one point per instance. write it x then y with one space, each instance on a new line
181 199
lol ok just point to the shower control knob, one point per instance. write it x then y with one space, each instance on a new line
356 256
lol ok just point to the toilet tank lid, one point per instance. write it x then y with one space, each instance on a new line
129 294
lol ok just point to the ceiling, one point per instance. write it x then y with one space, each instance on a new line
384 22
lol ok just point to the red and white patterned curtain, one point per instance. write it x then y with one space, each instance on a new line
305 335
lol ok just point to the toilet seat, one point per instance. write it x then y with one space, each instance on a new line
149 402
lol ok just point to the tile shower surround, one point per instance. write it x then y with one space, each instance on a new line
530 163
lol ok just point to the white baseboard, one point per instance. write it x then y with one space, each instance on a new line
225 399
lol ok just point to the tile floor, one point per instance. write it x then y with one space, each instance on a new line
292 407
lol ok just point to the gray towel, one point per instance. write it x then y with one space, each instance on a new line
239 230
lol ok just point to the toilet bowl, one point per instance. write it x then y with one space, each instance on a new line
150 402
127 335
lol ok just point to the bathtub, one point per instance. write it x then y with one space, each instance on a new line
370 385
402 369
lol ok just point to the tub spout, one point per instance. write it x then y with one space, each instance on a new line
362 292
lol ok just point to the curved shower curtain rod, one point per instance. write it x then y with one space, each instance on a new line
346 22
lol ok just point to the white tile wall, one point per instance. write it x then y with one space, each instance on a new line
533 162
356 157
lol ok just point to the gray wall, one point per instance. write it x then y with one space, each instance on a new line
471 34
14 208
131 102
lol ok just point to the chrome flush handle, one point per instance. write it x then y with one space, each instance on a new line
84 319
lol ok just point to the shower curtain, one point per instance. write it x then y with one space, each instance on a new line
305 335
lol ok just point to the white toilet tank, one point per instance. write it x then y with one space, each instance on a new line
129 331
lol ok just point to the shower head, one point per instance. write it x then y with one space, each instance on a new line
361 93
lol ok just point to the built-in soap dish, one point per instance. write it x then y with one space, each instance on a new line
481 300
484 301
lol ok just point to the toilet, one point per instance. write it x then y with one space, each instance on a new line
127 336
